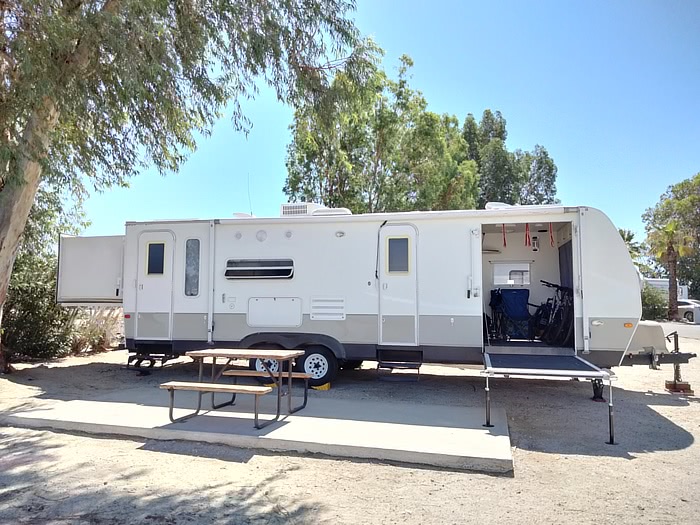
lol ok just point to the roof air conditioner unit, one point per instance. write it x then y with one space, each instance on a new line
297 209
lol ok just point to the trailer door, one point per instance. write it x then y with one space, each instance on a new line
154 285
90 270
398 298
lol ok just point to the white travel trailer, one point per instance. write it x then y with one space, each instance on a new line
398 288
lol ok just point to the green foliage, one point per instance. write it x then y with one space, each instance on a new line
669 243
133 80
520 177
681 203
33 324
375 147
635 248
654 304
689 272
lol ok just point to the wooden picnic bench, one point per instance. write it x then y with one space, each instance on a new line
213 387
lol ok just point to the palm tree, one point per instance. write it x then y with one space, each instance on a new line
634 247
668 243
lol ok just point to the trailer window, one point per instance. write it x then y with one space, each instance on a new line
398 254
511 273
192 267
259 269
156 258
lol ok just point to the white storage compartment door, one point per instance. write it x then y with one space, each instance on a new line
90 270
274 312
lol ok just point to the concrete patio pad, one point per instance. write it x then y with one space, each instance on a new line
435 435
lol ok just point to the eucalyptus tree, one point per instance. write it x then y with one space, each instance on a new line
374 147
519 177
92 91
536 173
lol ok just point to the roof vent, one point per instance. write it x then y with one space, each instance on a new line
497 205
331 211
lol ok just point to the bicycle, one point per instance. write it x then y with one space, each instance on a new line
560 326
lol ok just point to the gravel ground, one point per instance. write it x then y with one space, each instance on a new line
564 471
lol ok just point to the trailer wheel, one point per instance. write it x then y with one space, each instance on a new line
321 363
689 316
272 364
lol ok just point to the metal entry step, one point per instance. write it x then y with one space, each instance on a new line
390 359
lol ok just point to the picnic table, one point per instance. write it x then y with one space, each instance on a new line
221 361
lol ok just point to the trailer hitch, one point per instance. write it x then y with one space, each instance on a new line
677 385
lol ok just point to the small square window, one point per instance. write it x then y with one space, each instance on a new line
156 258
398 255
508 273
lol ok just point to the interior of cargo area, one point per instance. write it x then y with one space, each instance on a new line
528 278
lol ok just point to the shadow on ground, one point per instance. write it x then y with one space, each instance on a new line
544 416
48 494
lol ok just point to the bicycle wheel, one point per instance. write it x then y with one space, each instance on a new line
566 327
553 327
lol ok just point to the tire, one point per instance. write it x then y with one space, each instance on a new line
273 364
351 364
689 316
566 328
321 363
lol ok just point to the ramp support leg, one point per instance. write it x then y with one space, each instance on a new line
488 404
598 387
611 414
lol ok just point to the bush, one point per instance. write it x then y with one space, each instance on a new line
96 329
33 324
654 304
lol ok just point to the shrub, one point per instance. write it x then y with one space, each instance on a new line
33 324
654 303
96 329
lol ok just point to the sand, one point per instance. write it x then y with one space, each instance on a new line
564 470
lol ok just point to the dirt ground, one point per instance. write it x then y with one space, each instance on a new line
564 470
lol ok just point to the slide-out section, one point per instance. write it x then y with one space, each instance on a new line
90 270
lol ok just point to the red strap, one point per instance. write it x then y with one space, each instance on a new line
528 241
551 236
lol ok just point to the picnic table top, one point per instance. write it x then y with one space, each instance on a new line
246 353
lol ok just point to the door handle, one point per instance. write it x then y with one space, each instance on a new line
597 322
385 286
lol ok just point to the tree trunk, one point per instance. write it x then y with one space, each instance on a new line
17 197
5 366
672 286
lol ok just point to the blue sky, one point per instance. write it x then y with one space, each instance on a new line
610 88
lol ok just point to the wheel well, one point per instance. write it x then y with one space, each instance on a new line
293 340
